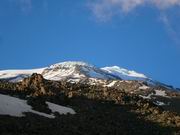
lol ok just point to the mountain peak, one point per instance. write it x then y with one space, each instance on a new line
76 71
70 64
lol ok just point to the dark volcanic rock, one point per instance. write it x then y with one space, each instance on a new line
36 85
99 110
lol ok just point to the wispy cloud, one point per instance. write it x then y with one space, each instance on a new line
106 9
173 31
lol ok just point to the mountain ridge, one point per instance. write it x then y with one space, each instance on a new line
77 70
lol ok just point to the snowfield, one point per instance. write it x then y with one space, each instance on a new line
160 93
18 75
60 109
17 107
124 73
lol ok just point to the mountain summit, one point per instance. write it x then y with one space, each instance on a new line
74 70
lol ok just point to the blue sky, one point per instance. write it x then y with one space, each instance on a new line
134 34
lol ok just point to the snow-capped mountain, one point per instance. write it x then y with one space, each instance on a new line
74 70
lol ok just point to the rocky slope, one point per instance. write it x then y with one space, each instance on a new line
108 107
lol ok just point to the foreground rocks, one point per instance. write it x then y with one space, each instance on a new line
100 110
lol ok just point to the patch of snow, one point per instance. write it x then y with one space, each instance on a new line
97 73
17 107
157 93
160 93
159 103
111 84
146 97
76 80
60 109
57 73
124 73
18 78
50 116
144 87
95 81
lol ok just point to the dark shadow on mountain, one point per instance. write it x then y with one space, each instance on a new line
171 104
93 117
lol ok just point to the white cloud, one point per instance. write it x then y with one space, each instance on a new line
105 9
164 4
173 31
